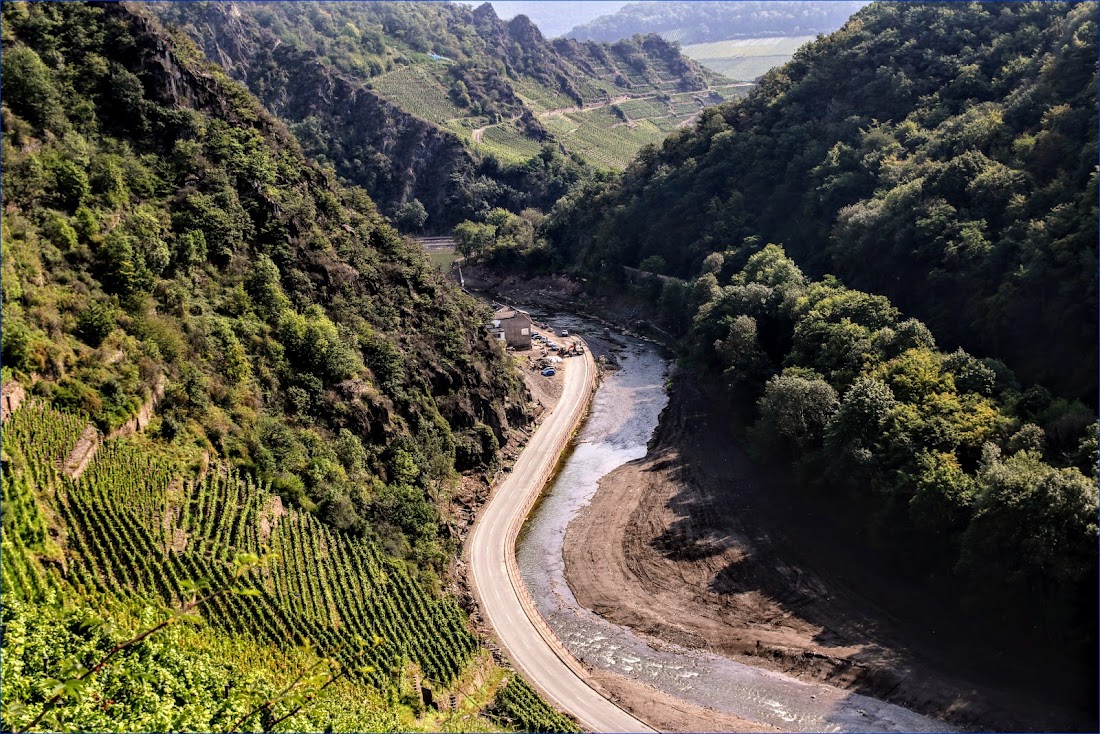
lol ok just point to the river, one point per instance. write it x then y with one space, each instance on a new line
623 416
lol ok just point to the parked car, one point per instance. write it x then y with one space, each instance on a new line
565 332
549 372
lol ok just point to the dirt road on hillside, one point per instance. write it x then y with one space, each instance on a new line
695 545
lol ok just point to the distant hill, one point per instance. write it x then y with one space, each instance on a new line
445 104
703 22
746 58
553 18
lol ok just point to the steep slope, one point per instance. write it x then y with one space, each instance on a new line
941 155
166 243
408 99
230 389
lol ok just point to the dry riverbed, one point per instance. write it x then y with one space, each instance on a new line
695 545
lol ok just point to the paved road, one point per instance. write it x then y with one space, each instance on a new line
521 631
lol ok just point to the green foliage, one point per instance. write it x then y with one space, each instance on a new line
412 216
503 238
187 243
313 343
71 185
517 705
653 264
95 323
911 439
797 405
29 82
966 193
473 238
177 680
134 526
1048 517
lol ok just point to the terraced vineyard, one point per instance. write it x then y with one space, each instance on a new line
130 524
643 108
417 89
652 106
540 98
508 143
604 138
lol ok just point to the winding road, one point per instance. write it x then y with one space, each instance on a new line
523 634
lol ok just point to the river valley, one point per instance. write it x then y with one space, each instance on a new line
622 419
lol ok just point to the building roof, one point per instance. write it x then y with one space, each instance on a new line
505 313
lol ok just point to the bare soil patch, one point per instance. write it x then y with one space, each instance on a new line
82 454
698 545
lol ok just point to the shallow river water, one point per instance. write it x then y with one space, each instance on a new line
624 414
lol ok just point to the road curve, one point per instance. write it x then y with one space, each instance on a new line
523 634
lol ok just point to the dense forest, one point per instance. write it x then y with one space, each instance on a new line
247 400
160 227
941 155
954 468
390 93
942 159
700 22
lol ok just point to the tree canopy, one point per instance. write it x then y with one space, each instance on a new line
943 155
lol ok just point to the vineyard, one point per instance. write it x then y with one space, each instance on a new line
508 143
417 89
654 107
643 108
130 527
517 705
131 524
540 98
603 137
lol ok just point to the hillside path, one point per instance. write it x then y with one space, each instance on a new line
517 625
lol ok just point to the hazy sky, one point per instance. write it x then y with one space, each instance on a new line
554 18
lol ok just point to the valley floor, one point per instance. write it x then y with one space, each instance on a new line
696 545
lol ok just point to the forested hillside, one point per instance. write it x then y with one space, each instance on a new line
942 155
967 487
231 361
940 159
702 22
446 104
163 234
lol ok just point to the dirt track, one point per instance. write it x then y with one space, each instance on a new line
695 545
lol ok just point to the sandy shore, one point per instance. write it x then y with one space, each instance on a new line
696 546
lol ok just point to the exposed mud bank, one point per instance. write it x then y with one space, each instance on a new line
696 545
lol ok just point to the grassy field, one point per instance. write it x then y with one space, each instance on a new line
443 259
745 58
